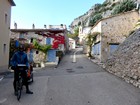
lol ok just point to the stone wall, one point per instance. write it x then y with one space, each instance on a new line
119 25
38 58
115 29
28 36
125 62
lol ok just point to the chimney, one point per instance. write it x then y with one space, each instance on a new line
33 26
15 25
44 25
65 27
61 25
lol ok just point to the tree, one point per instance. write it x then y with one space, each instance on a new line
125 6
75 34
79 23
95 18
43 48
90 39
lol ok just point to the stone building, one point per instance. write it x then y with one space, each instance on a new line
5 18
125 61
113 31
72 44
54 35
83 32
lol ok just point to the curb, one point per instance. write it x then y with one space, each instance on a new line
97 62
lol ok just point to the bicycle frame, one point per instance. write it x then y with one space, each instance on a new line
19 83
19 86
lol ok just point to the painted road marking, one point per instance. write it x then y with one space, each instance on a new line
3 100
1 78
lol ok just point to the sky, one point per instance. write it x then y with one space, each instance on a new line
48 12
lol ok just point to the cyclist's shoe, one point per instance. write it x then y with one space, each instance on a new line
16 93
29 92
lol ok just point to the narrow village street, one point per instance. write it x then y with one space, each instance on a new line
53 39
72 83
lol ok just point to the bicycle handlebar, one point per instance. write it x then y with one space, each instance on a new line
21 65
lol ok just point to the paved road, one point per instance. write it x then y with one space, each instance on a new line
80 83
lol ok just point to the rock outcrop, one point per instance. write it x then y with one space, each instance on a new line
125 62
106 9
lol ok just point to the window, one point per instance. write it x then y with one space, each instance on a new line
37 52
113 47
4 48
6 18
31 40
96 49
21 35
48 41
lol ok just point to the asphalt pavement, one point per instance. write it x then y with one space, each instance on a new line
72 83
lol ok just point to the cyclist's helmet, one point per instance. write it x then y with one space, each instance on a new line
21 47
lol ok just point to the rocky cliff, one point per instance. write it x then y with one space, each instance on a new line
125 62
104 9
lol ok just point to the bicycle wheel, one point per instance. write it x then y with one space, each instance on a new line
19 89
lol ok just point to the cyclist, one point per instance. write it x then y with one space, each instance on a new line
20 57
30 59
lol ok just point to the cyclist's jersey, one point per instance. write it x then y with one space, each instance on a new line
19 58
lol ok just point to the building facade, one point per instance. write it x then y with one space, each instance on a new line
113 31
5 17
56 36
72 44
83 32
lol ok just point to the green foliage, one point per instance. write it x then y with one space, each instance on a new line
43 48
75 34
90 39
97 7
117 7
100 8
94 36
79 23
76 31
125 6
114 4
89 42
95 18
105 3
72 36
